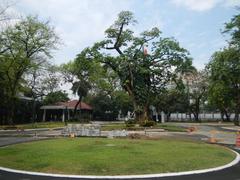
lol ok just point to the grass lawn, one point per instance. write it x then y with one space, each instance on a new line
100 156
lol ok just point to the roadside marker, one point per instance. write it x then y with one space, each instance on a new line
212 139
238 140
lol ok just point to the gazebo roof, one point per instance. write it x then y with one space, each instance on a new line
68 105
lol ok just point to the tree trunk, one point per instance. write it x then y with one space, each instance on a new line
168 116
237 111
11 115
141 114
196 110
226 114
222 116
196 116
75 108
12 111
236 118
34 111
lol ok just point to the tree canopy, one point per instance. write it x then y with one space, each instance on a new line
140 74
23 46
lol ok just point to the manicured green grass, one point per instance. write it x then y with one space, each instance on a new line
35 125
100 156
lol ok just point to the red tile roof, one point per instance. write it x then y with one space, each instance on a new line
72 104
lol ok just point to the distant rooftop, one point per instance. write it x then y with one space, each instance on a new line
68 105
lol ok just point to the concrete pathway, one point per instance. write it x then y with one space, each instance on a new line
216 131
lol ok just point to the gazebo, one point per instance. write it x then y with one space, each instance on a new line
64 110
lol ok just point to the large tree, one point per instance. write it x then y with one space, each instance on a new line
220 97
54 97
198 86
233 29
225 72
41 80
23 46
141 73
170 101
77 74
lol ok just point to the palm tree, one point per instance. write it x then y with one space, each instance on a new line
81 89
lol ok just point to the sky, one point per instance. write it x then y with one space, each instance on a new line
196 24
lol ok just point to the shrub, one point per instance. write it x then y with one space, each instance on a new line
135 136
130 123
147 123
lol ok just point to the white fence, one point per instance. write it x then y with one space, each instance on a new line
202 116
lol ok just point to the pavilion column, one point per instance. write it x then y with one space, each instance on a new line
162 117
44 115
157 116
63 116
68 115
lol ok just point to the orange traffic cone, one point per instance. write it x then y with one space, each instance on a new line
238 140
212 138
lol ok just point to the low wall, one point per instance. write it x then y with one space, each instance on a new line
202 116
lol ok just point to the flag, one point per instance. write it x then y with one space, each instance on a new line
145 51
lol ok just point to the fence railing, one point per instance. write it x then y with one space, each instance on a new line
202 116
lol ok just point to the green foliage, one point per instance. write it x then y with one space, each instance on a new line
148 123
224 80
103 107
171 100
197 86
23 46
80 88
140 75
130 123
233 28
55 97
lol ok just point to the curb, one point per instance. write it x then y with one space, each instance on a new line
234 162
27 130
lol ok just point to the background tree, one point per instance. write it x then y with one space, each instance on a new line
77 73
39 81
103 107
22 45
4 7
54 97
107 106
197 92
171 101
141 74
233 29
224 75
219 96
81 89
89 77
224 70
